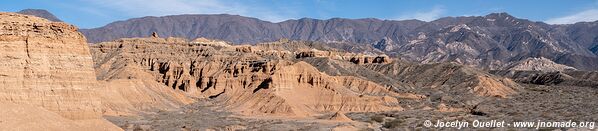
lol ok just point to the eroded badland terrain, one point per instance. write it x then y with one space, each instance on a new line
52 79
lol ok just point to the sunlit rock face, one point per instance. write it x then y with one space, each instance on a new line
46 64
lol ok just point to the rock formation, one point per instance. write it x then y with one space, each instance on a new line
155 35
208 42
356 58
47 80
126 88
251 80
339 116
47 64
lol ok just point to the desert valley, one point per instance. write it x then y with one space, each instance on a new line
229 72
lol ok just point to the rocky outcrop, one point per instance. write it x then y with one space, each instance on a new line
126 87
133 96
538 64
356 58
208 42
339 116
47 64
47 81
250 80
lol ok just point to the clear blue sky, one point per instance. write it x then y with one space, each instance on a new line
96 13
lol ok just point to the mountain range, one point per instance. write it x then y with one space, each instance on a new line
488 42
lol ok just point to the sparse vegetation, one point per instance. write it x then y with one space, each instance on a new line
393 124
378 118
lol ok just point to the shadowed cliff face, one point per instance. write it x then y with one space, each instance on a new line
483 41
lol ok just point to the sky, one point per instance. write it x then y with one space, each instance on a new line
97 13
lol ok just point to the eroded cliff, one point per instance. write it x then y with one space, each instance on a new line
252 80
47 81
46 64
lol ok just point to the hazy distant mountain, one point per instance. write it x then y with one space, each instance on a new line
40 13
488 41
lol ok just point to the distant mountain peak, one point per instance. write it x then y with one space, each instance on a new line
40 13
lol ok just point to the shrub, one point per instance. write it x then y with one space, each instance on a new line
393 124
378 118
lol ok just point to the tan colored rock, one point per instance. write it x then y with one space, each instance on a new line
345 128
210 42
339 116
127 88
244 49
319 92
32 118
497 87
46 64
128 97
47 81
250 80
359 59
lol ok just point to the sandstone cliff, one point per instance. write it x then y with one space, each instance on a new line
46 64
127 88
265 79
250 80
47 80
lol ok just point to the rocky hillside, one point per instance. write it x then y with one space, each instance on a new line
559 78
483 41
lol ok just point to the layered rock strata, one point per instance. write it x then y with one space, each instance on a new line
251 80
46 64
